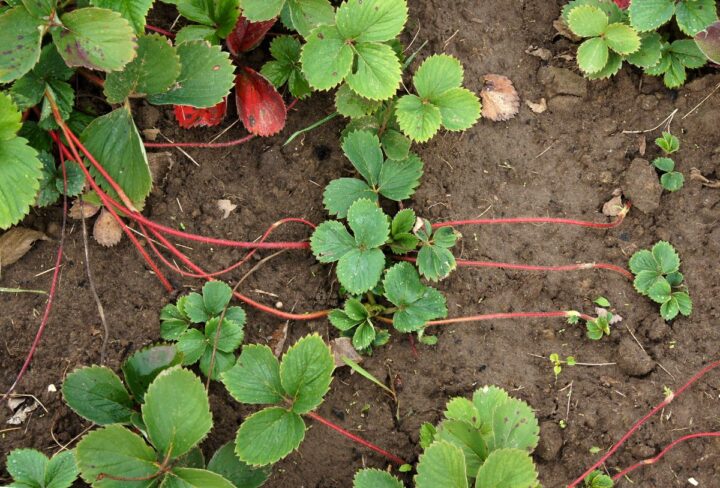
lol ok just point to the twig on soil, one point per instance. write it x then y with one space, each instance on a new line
666 122
22 290
701 102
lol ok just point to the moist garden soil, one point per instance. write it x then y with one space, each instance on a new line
564 162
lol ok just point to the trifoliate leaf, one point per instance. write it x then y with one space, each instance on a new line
398 179
598 479
326 58
650 14
377 72
622 38
225 463
371 20
442 464
255 378
694 16
143 366
20 36
152 72
268 436
30 468
134 11
206 77
362 148
668 143
511 468
417 304
97 394
116 452
95 38
649 53
341 193
375 478
587 21
331 241
176 412
592 55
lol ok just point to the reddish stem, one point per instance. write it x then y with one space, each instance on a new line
663 452
507 315
92 78
355 438
164 32
538 220
644 419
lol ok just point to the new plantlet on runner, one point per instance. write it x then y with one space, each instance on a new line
670 179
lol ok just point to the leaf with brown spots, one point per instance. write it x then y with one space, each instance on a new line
260 106
20 36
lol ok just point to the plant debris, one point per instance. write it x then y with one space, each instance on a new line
500 100
16 242
106 231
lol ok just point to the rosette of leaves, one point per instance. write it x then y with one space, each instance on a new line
197 345
598 479
670 179
393 179
441 101
354 49
176 415
292 387
99 395
485 443
606 42
657 276
30 468
692 16
435 260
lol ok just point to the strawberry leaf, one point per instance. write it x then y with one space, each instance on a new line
362 148
350 104
648 15
587 21
375 478
97 394
268 436
331 241
195 478
225 463
326 58
260 106
341 193
306 372
143 366
649 53
192 344
398 179
134 11
259 10
255 378
246 35
31 468
417 304
592 55
622 39
694 16
442 464
512 468
371 20
285 68
190 117
305 15
221 15
708 41
20 36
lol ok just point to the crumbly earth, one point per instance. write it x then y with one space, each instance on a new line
564 162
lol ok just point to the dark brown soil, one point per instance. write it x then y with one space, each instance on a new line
564 162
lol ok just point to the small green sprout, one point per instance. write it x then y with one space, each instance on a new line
594 450
558 363
562 424
598 479
670 179
667 392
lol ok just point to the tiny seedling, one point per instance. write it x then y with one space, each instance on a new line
176 418
486 442
293 387
597 327
197 345
598 479
670 179
657 276
558 363
30 468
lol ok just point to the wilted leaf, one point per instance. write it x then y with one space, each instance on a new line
342 346
500 101
16 242
260 106
189 117
107 232
538 107
246 35
226 206
708 41
86 210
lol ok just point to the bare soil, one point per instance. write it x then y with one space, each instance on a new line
564 162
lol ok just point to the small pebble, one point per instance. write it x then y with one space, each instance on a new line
278 304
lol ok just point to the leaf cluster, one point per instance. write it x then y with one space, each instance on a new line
485 442
657 276
198 345
670 179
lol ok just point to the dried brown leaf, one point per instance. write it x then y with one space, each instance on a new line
613 207
16 242
562 28
342 346
226 206
500 101
86 210
539 52
107 232
538 107
277 339
151 134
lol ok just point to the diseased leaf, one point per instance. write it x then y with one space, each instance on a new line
20 38
191 117
246 35
326 58
260 106
16 242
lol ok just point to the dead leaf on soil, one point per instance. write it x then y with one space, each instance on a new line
226 206
151 134
499 99
696 175
277 339
342 346
614 206
86 210
21 410
16 242
642 144
539 52
160 164
537 107
107 232
562 28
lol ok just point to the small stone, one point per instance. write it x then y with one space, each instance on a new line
642 186
632 360
551 441
278 304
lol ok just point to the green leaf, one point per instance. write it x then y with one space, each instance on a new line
216 296
442 464
375 478
20 36
587 21
21 171
598 479
371 20
258 10
603 302
694 16
368 223
467 438
514 425
255 378
668 143
643 260
143 366
341 193
194 478
675 279
396 145
684 302
176 412
462 409
173 322
196 32
153 71
687 53
38 8
436 75
306 372
10 118
403 222
445 237
612 67
622 38
223 362
97 394
32 469
231 334
362 148
664 164
644 280
308 14
222 15
115 142
134 11
64 96
359 271
608 6
285 68
117 452
592 55
649 53
350 104
377 72
459 109
660 291
326 58
225 463
667 259
268 436
342 321
418 120
331 241
417 304
364 336
95 38
510 468
648 15
672 181
427 435
435 262
194 308
206 77
399 179
192 344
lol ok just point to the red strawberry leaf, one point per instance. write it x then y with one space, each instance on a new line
246 35
189 117
259 105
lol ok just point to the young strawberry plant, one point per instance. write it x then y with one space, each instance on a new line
558 363
486 443
209 346
636 35
30 468
670 179
657 276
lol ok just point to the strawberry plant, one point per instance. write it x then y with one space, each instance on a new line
598 479
208 346
486 442
615 32
708 40
670 179
657 276
30 468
